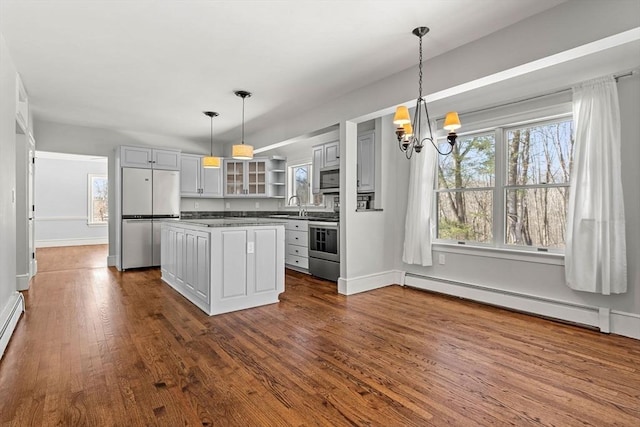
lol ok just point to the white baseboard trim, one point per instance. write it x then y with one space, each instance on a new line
527 303
9 319
369 282
111 261
625 324
22 282
72 242
608 321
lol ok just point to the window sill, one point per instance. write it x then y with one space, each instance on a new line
509 254
97 224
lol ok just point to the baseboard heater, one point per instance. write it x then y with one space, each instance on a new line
580 315
10 322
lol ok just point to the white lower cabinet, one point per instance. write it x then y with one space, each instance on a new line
297 237
223 269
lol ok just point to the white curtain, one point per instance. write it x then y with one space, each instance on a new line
595 255
417 229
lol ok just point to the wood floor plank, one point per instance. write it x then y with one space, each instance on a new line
98 347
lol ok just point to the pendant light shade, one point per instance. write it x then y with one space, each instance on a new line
211 161
242 151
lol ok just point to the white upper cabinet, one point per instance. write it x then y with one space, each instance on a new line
197 181
149 158
165 159
332 154
260 177
366 163
211 179
190 166
323 156
317 163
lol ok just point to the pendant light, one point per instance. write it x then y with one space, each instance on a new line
410 136
242 151
211 161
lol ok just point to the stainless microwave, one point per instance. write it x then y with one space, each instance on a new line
330 180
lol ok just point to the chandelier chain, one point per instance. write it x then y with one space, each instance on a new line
420 71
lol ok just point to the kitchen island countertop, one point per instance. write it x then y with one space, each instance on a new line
233 222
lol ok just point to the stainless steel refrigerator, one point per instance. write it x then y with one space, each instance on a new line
148 196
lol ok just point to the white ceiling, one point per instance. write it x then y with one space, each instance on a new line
154 66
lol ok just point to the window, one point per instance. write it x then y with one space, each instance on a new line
507 187
537 188
98 199
300 185
465 194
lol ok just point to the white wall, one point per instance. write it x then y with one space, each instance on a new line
61 199
8 293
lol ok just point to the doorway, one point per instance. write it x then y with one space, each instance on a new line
71 209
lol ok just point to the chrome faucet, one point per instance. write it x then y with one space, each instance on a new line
300 209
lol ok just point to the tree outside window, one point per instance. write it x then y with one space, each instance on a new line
465 190
98 199
537 189
300 177
530 185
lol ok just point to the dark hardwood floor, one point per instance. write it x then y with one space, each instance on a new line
97 347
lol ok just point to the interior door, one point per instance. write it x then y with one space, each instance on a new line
31 209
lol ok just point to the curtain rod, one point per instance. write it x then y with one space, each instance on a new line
531 98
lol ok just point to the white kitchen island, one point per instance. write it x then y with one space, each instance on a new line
224 265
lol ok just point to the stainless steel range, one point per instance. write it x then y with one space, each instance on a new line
324 249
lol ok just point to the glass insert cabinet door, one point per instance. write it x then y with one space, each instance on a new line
235 177
257 177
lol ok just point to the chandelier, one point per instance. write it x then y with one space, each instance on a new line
410 135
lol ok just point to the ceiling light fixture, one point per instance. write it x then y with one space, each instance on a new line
409 136
242 151
211 161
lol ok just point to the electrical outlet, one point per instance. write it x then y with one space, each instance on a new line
228 205
441 259
196 205
250 247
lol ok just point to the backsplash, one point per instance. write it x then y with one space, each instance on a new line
242 214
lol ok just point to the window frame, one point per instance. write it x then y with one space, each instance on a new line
480 132
291 186
90 178
500 125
